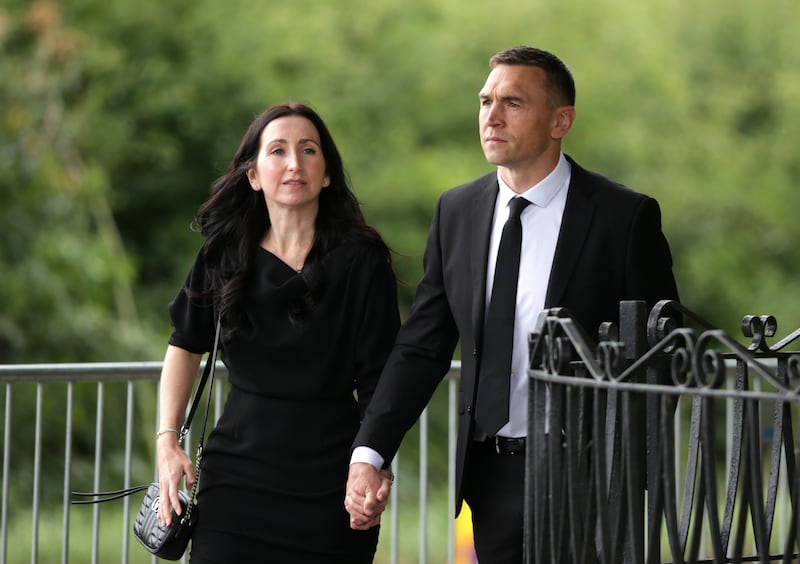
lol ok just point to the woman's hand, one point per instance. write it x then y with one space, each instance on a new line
173 466
367 495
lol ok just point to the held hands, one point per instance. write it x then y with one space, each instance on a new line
367 494
173 466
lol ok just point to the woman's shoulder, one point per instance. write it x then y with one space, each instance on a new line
361 247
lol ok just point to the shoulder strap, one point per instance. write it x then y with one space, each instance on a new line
208 372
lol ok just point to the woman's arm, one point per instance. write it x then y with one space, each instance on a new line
177 379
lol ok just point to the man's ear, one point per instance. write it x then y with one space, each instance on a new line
563 118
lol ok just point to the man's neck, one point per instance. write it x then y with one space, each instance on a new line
520 179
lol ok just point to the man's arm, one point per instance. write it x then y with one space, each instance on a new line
419 360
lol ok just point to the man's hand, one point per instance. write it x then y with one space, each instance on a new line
367 494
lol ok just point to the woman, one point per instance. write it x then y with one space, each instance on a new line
308 303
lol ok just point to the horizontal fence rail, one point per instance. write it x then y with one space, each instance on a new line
91 423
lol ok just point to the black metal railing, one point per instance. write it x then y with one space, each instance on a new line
612 476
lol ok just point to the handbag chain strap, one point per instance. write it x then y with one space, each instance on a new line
208 374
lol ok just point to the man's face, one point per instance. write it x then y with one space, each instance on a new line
518 122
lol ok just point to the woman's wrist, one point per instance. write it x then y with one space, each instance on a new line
165 431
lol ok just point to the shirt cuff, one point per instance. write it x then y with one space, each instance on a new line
368 455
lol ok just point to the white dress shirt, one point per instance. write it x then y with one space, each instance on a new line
541 223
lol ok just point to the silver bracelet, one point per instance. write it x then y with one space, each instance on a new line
165 431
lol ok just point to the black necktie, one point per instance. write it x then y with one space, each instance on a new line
491 410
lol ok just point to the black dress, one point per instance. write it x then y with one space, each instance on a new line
275 467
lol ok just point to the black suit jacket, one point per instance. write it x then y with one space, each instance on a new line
610 248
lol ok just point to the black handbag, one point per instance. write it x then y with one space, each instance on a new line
168 542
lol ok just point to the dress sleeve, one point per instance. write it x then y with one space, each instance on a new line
192 316
377 325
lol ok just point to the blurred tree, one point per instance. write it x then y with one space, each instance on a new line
67 291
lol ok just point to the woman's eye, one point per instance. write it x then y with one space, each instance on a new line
276 151
309 151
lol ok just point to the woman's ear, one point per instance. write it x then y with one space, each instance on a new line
251 176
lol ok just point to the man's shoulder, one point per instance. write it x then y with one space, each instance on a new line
471 188
596 183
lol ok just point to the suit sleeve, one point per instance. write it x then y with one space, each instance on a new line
419 360
649 261
377 327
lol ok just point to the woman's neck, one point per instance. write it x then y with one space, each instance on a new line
290 238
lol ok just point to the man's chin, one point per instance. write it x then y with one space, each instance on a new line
492 156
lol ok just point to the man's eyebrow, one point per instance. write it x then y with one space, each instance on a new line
516 99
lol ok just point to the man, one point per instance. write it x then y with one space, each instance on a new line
587 243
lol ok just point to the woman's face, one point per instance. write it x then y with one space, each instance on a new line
290 167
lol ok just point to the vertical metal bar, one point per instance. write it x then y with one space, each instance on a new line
153 559
394 547
67 478
783 496
98 451
452 437
6 461
423 487
126 503
37 467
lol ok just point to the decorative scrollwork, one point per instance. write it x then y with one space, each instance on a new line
663 320
758 328
709 368
611 358
561 354
608 331
681 367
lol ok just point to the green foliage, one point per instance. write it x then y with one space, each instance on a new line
115 117
120 115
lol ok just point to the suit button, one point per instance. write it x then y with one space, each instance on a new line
469 409
475 351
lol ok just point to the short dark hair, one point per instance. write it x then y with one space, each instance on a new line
559 79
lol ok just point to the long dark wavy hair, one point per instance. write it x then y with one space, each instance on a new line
234 220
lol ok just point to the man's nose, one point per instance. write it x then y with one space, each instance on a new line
492 115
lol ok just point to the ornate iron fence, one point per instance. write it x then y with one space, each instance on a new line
611 474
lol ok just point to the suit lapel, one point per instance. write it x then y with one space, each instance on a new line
578 213
481 214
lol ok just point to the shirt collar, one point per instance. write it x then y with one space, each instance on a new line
540 194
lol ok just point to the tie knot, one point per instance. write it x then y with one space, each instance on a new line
516 206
